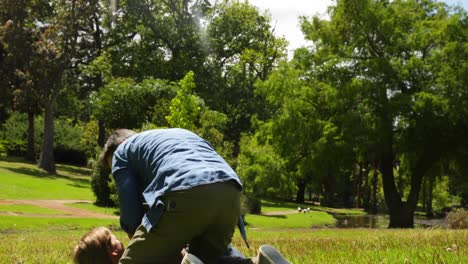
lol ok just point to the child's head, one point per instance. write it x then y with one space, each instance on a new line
99 245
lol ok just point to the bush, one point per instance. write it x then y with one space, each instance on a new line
100 182
458 218
250 205
2 150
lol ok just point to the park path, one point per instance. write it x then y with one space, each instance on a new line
59 205
73 212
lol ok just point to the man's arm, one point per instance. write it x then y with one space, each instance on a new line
130 200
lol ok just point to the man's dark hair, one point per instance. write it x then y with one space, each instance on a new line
114 140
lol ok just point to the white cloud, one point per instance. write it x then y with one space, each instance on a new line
285 16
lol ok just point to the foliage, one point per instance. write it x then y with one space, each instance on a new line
187 110
3 151
381 61
185 106
262 170
88 139
250 205
125 103
100 180
442 198
243 49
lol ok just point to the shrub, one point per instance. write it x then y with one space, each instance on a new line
250 205
100 181
2 150
458 218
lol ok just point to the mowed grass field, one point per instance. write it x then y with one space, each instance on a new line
49 238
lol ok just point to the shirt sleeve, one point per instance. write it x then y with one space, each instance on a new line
130 200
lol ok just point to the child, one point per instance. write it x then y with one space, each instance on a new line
99 245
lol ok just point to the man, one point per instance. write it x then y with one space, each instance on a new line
174 189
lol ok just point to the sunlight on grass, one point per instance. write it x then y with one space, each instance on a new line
271 206
20 180
362 245
308 220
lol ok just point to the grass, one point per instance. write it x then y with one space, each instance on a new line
44 245
308 220
19 180
27 209
270 206
298 245
364 245
51 239
22 224
94 208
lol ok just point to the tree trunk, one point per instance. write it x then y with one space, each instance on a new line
358 187
300 191
366 194
374 191
46 159
30 154
401 217
430 196
423 195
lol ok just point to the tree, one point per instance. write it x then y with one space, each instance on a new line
389 51
49 67
185 107
125 103
243 49
304 130
187 110
18 33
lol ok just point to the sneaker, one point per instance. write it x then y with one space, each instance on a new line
191 259
270 255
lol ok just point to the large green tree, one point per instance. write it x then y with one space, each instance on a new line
21 25
394 56
243 49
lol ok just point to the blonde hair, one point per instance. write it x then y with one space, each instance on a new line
93 248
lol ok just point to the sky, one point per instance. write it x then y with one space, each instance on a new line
285 15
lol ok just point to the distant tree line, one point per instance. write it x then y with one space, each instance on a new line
372 114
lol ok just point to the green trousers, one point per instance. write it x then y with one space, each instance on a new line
204 217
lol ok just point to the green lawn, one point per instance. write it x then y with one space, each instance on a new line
300 237
94 208
270 206
301 246
309 220
19 180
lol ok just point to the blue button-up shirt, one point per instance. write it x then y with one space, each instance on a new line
152 163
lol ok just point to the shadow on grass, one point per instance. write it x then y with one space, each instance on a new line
74 170
276 216
80 183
